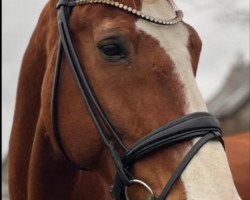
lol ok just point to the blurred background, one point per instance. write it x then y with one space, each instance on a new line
223 75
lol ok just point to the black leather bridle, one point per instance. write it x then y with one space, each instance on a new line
200 124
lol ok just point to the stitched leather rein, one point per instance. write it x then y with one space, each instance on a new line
200 124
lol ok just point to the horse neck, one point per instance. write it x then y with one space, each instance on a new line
27 107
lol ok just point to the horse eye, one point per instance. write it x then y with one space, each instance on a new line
111 50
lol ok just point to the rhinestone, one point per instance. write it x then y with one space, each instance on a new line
178 18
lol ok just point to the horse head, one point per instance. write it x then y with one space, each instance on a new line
140 63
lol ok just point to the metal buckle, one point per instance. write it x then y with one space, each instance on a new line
139 182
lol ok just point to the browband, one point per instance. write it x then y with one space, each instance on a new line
128 9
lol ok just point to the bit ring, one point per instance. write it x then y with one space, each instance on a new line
139 182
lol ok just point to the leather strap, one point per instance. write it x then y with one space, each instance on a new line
99 118
94 108
184 128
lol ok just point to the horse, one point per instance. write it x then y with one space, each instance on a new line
237 149
107 96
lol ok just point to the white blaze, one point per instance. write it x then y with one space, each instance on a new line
208 175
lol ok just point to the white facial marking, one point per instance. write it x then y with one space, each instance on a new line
173 39
208 175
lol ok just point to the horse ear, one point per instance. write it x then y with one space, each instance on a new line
27 109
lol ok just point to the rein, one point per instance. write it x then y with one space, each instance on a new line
200 124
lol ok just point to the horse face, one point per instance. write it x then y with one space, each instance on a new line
137 76
143 76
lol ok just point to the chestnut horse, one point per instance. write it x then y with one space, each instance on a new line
238 153
142 72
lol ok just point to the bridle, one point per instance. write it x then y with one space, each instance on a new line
200 124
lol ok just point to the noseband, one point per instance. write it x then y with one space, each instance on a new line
200 124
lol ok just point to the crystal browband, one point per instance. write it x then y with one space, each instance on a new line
178 18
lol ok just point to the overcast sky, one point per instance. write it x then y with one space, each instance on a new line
223 27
